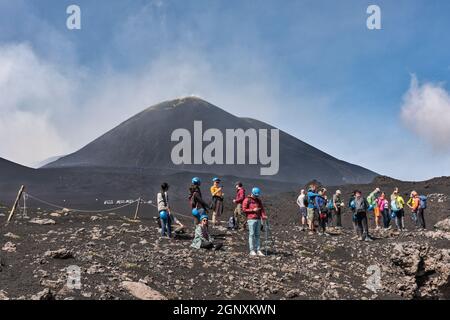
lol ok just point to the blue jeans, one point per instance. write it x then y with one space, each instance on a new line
254 228
166 226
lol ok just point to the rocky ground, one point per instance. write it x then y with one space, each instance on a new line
124 259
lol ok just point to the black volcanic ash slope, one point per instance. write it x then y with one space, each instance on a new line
143 141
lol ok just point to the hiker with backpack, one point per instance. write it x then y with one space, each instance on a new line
254 209
302 202
202 239
217 200
414 203
361 209
383 207
239 216
162 199
397 210
421 212
321 204
351 205
371 200
336 208
312 212
198 205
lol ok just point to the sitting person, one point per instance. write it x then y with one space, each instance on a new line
202 239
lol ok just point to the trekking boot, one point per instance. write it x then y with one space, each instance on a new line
260 253
253 253
368 239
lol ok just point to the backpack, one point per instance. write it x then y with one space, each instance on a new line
394 206
305 200
192 202
232 223
360 205
330 204
423 202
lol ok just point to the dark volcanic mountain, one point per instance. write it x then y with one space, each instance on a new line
13 171
144 142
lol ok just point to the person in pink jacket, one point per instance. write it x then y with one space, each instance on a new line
383 206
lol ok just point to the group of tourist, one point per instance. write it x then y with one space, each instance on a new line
317 212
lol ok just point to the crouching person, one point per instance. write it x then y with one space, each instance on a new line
254 210
202 239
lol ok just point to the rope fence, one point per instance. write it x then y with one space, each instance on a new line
79 210
27 195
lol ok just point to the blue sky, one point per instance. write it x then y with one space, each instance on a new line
376 98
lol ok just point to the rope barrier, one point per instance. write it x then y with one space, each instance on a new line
99 211
79 210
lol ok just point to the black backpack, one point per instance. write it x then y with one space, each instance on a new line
232 223
360 205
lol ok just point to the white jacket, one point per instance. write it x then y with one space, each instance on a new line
161 204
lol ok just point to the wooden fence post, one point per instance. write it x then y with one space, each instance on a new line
19 195
137 209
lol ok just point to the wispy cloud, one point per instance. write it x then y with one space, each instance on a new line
426 112
30 89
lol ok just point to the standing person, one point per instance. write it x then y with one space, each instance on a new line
255 212
217 200
414 203
202 239
397 206
371 200
337 208
383 206
312 208
239 216
321 204
421 212
162 199
361 208
302 202
351 205
199 207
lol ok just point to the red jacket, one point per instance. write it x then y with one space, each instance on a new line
240 195
251 203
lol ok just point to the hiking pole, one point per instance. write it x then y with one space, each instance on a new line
266 229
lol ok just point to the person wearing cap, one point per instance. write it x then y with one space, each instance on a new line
361 208
337 208
217 200
254 209
312 210
202 239
239 215
371 199
399 203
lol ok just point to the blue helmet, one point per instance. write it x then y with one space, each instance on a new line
163 215
196 181
256 191
204 216
216 179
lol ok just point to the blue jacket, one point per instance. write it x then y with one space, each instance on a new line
311 199
320 202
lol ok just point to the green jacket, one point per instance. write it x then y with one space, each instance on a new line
371 198
199 238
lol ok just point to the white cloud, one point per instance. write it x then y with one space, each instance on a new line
30 90
426 112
